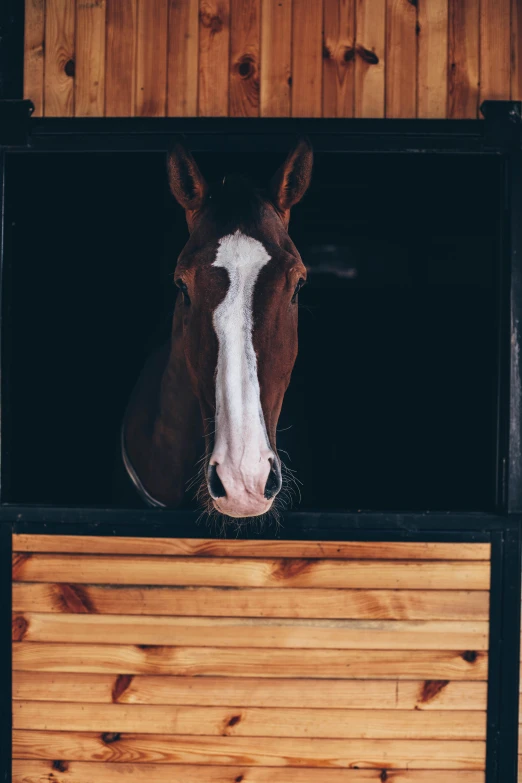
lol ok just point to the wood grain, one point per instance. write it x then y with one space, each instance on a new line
214 50
90 58
120 93
463 75
250 662
245 46
250 721
216 547
401 59
339 58
516 50
307 61
275 90
236 572
244 751
230 632
59 58
248 692
432 88
285 602
369 76
25 771
34 36
151 58
495 47
182 76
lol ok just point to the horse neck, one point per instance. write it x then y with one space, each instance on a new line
164 431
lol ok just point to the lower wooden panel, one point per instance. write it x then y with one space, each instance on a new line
79 772
248 662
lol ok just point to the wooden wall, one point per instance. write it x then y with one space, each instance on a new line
248 662
301 58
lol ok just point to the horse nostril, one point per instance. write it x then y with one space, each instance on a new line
273 482
215 485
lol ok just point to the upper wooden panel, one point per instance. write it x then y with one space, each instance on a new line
301 58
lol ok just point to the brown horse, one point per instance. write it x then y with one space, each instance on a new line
233 345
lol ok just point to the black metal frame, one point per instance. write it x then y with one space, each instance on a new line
500 134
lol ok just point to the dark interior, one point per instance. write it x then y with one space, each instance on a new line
392 402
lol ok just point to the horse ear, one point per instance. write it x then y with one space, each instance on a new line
291 181
186 182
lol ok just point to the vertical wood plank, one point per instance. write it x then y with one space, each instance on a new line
276 58
463 66
244 58
182 58
121 58
90 58
151 58
339 58
59 58
214 48
516 50
34 54
432 27
369 58
307 65
401 58
495 40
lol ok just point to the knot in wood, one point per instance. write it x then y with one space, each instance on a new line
246 66
61 766
19 628
470 656
108 737
367 55
69 68
212 21
348 54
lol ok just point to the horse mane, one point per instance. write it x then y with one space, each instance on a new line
236 203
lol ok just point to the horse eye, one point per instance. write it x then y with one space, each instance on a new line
184 290
298 287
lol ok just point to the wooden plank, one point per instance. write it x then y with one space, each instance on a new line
516 50
247 692
214 49
237 572
369 69
401 59
307 61
120 93
463 74
257 632
250 662
495 41
59 58
339 58
432 39
275 89
34 33
286 602
151 58
216 547
245 45
25 771
245 751
90 58
250 721
182 78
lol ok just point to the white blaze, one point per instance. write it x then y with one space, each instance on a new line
241 441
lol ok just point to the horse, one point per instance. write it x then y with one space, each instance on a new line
224 373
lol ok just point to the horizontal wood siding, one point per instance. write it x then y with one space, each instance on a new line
302 58
226 661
